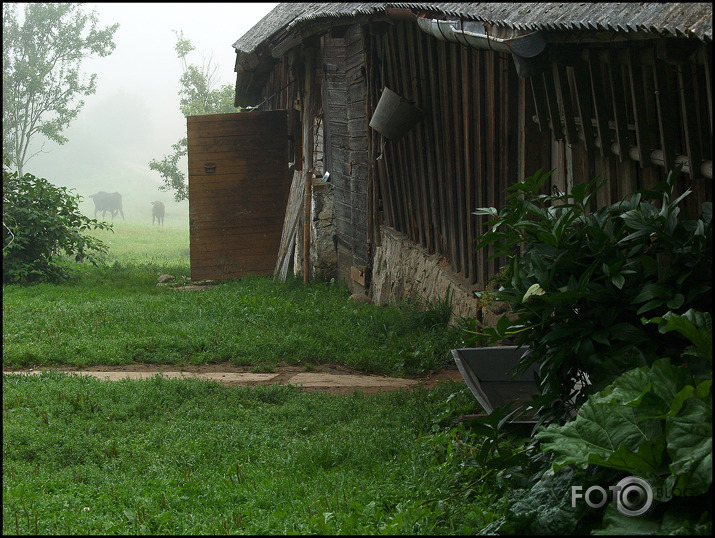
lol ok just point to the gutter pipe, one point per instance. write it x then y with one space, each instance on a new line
524 48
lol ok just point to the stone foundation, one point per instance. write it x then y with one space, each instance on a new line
323 247
403 269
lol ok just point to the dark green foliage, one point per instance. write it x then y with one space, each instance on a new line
579 284
578 281
40 221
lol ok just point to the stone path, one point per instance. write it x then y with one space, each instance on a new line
331 379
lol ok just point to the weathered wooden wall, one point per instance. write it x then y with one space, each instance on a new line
484 129
460 156
621 110
647 108
238 188
344 114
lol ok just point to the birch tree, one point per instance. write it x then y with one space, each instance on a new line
42 82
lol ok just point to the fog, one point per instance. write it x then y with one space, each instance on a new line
134 115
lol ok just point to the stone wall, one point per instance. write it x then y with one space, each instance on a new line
404 269
323 238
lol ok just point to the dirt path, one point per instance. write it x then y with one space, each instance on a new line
323 378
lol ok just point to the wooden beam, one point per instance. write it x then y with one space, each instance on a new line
388 196
456 137
437 143
307 157
708 58
563 97
552 105
540 106
667 119
583 101
420 141
446 118
600 108
392 163
427 128
468 80
411 170
480 174
618 100
687 80
640 116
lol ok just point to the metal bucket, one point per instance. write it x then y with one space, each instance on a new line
394 115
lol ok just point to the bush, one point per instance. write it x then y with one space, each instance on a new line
578 282
39 221
619 299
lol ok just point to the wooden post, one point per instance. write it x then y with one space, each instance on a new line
307 158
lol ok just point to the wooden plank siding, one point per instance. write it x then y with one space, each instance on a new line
237 204
456 158
466 150
346 148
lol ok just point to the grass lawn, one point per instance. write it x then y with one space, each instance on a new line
166 456
116 314
169 456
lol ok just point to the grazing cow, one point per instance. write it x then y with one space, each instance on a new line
157 212
108 201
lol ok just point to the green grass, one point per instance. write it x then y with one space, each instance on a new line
166 456
116 314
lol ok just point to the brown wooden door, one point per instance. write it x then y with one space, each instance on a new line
238 190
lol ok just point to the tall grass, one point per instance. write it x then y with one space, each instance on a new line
166 456
131 243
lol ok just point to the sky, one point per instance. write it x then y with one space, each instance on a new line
134 115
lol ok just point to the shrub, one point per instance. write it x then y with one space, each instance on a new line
579 281
619 299
39 221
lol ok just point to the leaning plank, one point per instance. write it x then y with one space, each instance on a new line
290 225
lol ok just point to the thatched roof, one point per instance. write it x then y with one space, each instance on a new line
664 19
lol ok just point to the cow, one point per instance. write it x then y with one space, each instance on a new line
157 212
108 201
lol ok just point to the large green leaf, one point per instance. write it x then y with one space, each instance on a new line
601 432
690 446
655 391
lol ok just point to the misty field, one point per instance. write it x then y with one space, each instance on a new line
140 244
168 456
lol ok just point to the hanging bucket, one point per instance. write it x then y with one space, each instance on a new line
394 115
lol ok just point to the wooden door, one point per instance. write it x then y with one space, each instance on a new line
238 190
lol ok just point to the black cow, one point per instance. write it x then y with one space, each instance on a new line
108 201
157 212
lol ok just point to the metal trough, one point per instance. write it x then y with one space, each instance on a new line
488 372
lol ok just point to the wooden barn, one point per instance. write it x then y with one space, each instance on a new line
391 122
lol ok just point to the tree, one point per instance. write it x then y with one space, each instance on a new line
198 95
40 220
41 72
